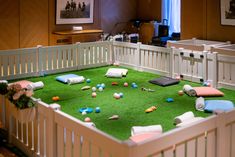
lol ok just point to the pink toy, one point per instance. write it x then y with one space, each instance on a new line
178 77
125 84
87 119
93 94
116 96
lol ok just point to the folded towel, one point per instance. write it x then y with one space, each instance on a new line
136 130
189 121
35 85
200 104
189 90
184 117
89 124
75 80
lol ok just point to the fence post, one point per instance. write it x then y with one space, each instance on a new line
204 64
172 62
215 69
111 51
138 59
221 134
51 131
79 59
39 55
180 55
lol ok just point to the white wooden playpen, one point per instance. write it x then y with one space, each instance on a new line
54 133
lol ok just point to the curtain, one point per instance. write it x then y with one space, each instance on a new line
171 11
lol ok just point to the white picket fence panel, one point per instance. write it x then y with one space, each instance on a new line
18 63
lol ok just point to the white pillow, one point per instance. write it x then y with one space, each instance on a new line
116 72
75 80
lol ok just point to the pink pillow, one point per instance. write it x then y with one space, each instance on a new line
141 137
207 91
23 83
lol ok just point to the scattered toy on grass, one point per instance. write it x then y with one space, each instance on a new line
116 96
125 84
121 95
116 64
86 109
101 89
87 119
97 110
114 117
93 94
93 89
147 89
86 87
151 109
134 85
88 80
84 113
169 100
102 85
114 83
180 92
178 77
206 83
55 98
98 86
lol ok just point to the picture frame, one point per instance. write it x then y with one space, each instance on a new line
74 11
227 12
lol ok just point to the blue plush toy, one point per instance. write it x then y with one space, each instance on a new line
134 85
98 86
102 85
169 100
97 110
121 95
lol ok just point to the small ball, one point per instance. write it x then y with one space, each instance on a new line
97 110
98 86
135 86
116 96
180 93
102 85
93 89
88 80
101 89
125 84
178 77
93 94
87 119
84 113
121 95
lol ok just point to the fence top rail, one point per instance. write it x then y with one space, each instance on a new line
225 50
125 44
18 51
174 137
155 48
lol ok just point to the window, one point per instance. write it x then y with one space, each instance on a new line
171 12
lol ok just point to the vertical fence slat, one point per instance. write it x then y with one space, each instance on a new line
180 150
201 146
85 148
210 145
60 141
77 145
233 140
42 135
68 145
191 148
169 153
95 151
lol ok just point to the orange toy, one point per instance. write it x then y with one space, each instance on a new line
151 109
55 98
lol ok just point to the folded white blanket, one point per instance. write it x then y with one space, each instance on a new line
75 80
35 85
116 72
200 104
189 90
189 121
136 130
184 117
4 81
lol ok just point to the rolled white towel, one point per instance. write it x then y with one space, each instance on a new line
184 117
189 121
136 130
75 80
200 104
36 85
189 90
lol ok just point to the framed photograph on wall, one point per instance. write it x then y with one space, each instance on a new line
74 11
227 12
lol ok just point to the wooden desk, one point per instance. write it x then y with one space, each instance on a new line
71 37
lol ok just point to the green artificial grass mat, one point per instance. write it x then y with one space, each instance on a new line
131 108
